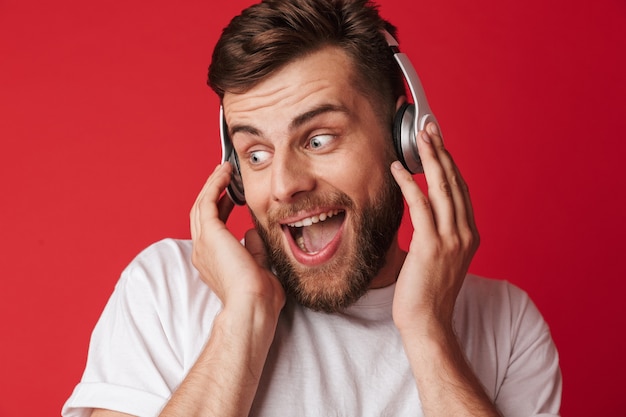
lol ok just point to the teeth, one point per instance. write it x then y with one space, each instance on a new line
314 219
300 242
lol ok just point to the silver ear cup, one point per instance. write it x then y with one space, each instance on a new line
404 139
235 188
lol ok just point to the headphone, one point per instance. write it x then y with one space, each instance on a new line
409 119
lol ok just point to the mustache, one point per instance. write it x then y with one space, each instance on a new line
308 202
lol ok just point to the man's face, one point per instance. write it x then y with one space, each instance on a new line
314 157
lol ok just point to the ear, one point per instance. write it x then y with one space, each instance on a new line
401 100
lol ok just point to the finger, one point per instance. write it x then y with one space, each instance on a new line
224 207
451 178
205 208
255 246
459 191
467 212
439 188
420 209
216 183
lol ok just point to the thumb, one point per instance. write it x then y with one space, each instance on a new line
255 246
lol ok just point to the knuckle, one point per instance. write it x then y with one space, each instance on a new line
444 186
467 237
456 181
476 240
454 244
471 240
423 203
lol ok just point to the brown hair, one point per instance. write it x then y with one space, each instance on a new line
269 35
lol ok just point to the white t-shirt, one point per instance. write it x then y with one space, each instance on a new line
350 364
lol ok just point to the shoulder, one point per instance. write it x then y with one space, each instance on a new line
166 252
509 345
498 314
149 334
500 306
165 263
485 296
160 299
163 278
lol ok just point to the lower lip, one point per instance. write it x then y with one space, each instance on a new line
318 258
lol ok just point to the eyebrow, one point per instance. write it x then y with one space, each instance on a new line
311 114
298 121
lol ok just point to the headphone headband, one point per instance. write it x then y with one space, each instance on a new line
413 118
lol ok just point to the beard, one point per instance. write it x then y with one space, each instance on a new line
344 279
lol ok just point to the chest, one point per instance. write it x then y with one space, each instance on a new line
336 366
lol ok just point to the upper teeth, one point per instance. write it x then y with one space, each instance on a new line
314 219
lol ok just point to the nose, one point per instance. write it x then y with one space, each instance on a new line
292 175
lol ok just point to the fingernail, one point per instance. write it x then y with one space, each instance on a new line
432 128
424 136
397 165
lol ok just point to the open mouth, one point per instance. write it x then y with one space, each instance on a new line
312 234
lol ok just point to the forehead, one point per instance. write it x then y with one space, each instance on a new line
322 77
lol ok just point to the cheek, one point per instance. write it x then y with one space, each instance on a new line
363 178
256 191
256 208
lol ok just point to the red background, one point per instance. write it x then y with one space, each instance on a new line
108 132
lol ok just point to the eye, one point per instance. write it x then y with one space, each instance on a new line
258 157
319 141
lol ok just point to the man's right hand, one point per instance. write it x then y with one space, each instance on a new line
236 274
225 377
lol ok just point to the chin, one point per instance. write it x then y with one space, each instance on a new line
329 288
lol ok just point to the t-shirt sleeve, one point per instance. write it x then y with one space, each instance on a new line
137 354
532 384
510 348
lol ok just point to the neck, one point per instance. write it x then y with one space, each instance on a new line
388 274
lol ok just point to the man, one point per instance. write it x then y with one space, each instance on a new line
320 313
